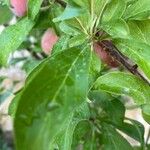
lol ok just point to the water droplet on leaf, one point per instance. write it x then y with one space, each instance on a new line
52 106
126 91
26 119
69 81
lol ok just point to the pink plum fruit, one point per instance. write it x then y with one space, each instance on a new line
19 7
48 40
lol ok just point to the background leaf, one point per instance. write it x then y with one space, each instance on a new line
33 8
5 14
12 37
111 139
112 109
133 129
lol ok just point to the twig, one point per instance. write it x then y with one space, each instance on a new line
116 54
34 54
43 54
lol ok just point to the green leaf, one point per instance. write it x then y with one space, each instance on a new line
98 7
140 10
30 64
130 2
112 140
70 12
64 138
114 10
44 20
77 40
33 8
62 44
60 84
5 14
140 31
12 37
96 10
95 7
113 110
134 129
13 105
83 3
117 29
15 101
87 19
95 68
146 112
148 146
84 136
125 84
79 24
138 52
4 2
67 29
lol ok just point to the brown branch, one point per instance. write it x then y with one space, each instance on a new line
34 54
43 54
117 55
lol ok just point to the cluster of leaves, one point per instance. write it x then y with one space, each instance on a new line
67 102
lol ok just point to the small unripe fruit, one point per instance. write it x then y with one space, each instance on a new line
49 39
19 7
105 56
